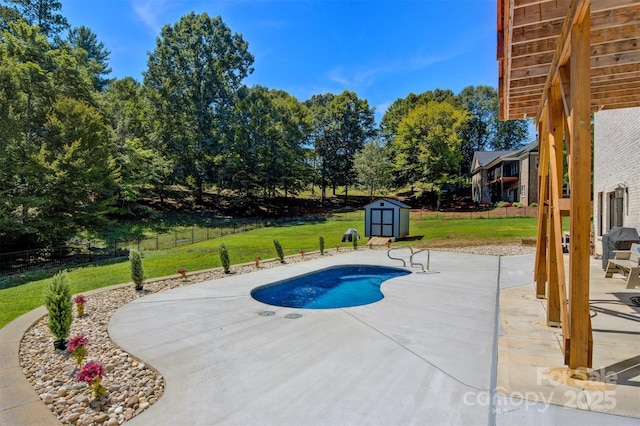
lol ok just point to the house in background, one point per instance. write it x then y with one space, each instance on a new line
616 171
510 176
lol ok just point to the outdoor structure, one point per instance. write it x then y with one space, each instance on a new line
616 172
510 176
386 218
559 61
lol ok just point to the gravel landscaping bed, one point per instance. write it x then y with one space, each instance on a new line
132 386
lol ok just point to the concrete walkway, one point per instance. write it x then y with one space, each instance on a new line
425 354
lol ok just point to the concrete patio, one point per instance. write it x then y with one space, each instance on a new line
425 354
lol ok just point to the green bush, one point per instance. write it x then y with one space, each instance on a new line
321 241
59 305
279 250
533 204
503 204
137 271
224 258
518 205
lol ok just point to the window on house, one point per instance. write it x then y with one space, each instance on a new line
514 168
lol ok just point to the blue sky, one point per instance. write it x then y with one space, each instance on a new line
380 49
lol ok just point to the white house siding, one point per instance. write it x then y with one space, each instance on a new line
616 161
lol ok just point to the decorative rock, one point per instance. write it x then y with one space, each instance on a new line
62 391
112 422
132 401
47 398
102 417
71 418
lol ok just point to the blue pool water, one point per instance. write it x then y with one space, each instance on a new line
335 287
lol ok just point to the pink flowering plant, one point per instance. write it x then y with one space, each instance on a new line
92 374
80 300
183 273
77 347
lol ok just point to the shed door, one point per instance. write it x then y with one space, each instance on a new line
382 223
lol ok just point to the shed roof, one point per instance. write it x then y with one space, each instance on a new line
390 201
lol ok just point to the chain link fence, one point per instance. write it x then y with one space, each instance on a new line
94 252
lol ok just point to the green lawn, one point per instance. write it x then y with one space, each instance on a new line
244 247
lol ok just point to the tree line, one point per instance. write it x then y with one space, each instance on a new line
79 148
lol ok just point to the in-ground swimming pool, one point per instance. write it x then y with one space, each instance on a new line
334 287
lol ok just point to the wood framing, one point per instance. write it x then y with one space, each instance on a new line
560 60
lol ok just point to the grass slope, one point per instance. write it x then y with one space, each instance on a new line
244 247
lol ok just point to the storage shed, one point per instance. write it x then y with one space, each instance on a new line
386 218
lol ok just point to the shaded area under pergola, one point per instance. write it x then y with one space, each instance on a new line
559 61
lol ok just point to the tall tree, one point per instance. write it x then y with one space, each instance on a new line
43 13
135 147
485 131
427 144
55 172
78 174
401 107
319 107
371 165
266 151
97 56
343 126
194 72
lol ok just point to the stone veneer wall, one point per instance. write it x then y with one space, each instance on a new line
616 161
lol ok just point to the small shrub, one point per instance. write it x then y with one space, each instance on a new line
534 204
518 205
80 300
224 258
60 308
92 373
503 204
78 348
321 242
279 250
137 271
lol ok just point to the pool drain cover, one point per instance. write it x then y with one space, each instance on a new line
635 300
266 313
293 316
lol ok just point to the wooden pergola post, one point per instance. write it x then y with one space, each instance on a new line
580 351
556 301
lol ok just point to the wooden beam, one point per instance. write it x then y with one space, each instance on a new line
540 275
556 300
580 178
